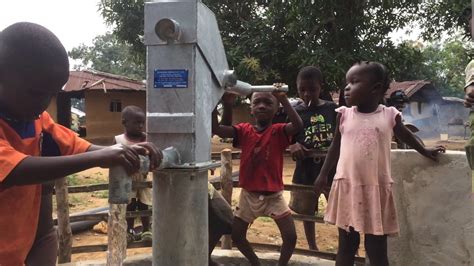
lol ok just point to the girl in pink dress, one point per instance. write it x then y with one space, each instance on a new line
361 199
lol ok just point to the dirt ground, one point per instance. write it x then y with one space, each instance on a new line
264 230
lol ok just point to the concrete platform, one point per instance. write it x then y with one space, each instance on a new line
225 257
435 210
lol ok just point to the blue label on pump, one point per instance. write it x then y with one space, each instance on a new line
170 78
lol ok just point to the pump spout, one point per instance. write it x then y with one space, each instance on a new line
243 88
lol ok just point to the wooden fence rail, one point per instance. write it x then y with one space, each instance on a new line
133 214
148 184
216 182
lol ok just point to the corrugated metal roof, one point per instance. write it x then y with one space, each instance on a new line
409 87
416 90
95 80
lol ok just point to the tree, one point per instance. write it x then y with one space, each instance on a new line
109 54
268 41
442 17
446 62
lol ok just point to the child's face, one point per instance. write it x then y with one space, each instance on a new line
263 106
308 90
24 97
134 124
360 88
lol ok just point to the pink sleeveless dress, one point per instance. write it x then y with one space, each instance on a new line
361 194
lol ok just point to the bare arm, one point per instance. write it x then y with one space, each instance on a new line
224 129
227 102
94 147
296 124
331 160
405 135
36 169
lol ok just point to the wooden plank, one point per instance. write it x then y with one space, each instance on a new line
308 218
217 155
117 235
64 226
105 186
134 214
227 185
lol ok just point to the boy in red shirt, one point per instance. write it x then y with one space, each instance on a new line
261 167
34 67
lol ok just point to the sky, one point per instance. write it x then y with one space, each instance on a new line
73 21
77 21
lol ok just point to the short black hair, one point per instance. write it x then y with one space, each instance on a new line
467 12
379 72
28 47
131 110
310 73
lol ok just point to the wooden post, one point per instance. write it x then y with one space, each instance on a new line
63 116
117 235
226 184
64 227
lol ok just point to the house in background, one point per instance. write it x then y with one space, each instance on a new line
423 106
105 95
454 117
428 110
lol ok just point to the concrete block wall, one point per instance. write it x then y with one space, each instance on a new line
435 210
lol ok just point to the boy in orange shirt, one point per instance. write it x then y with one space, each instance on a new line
33 68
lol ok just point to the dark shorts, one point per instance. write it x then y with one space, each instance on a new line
220 215
44 250
303 202
45 246
306 172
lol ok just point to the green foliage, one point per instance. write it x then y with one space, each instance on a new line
446 63
438 17
268 41
127 19
72 180
109 54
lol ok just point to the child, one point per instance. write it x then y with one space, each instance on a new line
361 199
319 120
133 121
33 68
261 168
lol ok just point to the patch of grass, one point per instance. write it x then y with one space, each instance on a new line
73 199
265 219
73 180
104 194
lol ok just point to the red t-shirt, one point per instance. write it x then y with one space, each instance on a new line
19 205
261 160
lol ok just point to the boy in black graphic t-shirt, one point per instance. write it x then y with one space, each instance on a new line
319 120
